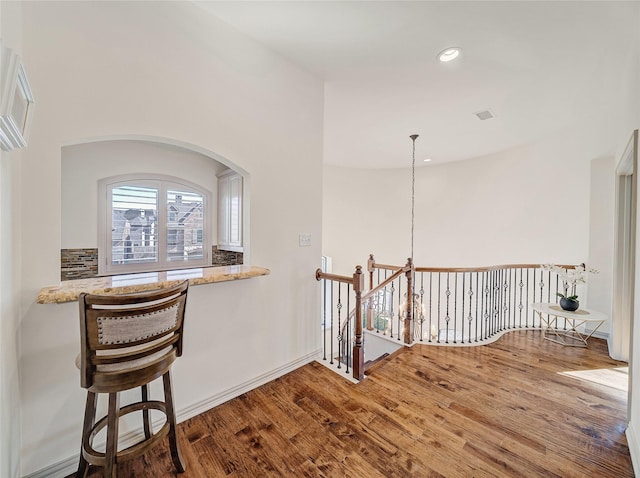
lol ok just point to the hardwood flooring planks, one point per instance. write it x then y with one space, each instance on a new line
499 410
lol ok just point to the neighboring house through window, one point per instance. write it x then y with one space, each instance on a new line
151 223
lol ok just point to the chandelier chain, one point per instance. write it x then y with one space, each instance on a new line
413 188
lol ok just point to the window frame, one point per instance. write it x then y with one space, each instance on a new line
163 183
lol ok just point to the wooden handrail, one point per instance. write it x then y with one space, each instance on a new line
372 264
491 268
375 265
335 277
389 267
386 282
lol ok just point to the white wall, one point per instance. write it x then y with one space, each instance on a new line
168 70
525 205
10 227
83 165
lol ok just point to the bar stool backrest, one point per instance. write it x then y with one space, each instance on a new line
130 339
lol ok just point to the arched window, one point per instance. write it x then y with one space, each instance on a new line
151 222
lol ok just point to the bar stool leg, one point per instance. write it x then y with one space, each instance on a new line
89 419
145 413
171 418
111 451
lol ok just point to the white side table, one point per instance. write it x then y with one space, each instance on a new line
549 314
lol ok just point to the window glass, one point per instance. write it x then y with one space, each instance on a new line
134 212
153 223
186 217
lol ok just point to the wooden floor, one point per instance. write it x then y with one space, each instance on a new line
499 410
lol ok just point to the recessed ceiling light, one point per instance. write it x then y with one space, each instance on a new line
428 160
449 54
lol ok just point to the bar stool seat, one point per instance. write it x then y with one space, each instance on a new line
127 341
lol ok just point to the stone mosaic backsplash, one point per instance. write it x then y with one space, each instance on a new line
225 258
78 264
83 263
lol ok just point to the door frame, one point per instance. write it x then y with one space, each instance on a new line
620 342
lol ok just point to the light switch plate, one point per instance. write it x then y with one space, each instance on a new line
304 239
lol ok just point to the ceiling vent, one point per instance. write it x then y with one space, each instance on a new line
484 115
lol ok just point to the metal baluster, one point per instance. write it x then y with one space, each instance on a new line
497 293
533 324
487 305
431 306
383 314
399 305
332 326
421 306
486 315
493 303
324 319
447 317
439 302
347 343
477 298
520 305
482 307
506 295
340 338
540 284
492 315
497 301
455 307
462 312
514 305
391 309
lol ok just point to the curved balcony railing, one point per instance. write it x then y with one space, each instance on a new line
446 306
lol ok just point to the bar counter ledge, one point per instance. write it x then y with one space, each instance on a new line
68 291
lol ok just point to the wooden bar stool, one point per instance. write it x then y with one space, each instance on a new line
128 341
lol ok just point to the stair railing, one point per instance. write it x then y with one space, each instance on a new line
353 358
348 347
436 305
474 304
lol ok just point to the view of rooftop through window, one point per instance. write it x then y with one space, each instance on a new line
135 229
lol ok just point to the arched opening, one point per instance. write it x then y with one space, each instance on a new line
87 163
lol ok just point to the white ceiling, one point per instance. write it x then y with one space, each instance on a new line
540 67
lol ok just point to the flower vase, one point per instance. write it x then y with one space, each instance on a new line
569 304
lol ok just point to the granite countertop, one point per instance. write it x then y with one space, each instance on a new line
68 291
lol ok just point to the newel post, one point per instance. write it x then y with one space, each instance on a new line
370 266
408 314
358 349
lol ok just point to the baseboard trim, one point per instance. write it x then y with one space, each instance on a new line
69 465
58 470
634 448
